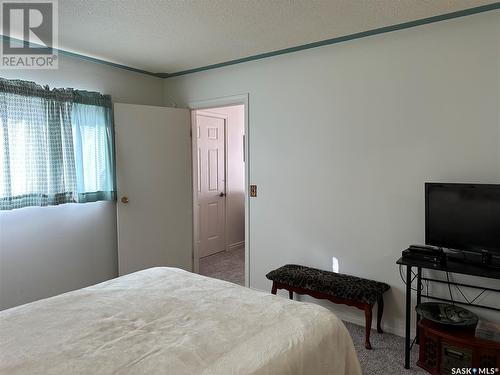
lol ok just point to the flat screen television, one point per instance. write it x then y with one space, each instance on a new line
463 216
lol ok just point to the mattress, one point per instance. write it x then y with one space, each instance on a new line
169 321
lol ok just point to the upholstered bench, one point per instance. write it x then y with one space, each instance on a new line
336 287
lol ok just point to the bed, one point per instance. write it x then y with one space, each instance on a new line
169 321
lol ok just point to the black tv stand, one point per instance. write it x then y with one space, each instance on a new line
483 259
458 266
486 257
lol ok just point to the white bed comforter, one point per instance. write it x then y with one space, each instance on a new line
169 321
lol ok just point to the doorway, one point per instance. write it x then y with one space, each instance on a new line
219 185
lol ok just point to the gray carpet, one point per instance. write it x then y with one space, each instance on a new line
387 355
226 265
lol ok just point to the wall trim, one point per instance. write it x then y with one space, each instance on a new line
351 314
326 42
345 38
8 39
236 245
388 328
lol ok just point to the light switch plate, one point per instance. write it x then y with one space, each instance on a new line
253 190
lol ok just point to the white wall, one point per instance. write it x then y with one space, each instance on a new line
45 251
235 174
124 86
343 137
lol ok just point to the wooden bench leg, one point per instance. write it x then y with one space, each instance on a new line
368 326
380 312
275 288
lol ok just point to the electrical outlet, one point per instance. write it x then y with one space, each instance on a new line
253 190
335 265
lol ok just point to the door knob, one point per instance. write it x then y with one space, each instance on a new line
222 195
124 200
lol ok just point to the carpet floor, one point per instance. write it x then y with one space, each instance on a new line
226 265
387 355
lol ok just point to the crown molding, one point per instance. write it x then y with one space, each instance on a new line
326 42
8 39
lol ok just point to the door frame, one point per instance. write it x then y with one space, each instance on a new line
194 142
207 104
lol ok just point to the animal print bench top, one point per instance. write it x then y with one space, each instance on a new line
331 283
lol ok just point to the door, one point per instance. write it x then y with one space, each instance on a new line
211 197
153 171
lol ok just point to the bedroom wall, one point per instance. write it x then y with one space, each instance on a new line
343 137
45 251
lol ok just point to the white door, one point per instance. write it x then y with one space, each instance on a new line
211 197
153 171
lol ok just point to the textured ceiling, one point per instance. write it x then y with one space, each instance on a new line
174 35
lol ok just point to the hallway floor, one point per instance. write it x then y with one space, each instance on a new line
226 265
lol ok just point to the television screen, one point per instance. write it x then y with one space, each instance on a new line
463 216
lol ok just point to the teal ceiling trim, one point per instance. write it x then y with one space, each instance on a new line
381 30
8 39
115 65
326 42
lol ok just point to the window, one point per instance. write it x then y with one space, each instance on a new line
56 146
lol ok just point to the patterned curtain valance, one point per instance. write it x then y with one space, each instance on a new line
91 98
27 88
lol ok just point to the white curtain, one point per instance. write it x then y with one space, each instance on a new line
56 146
